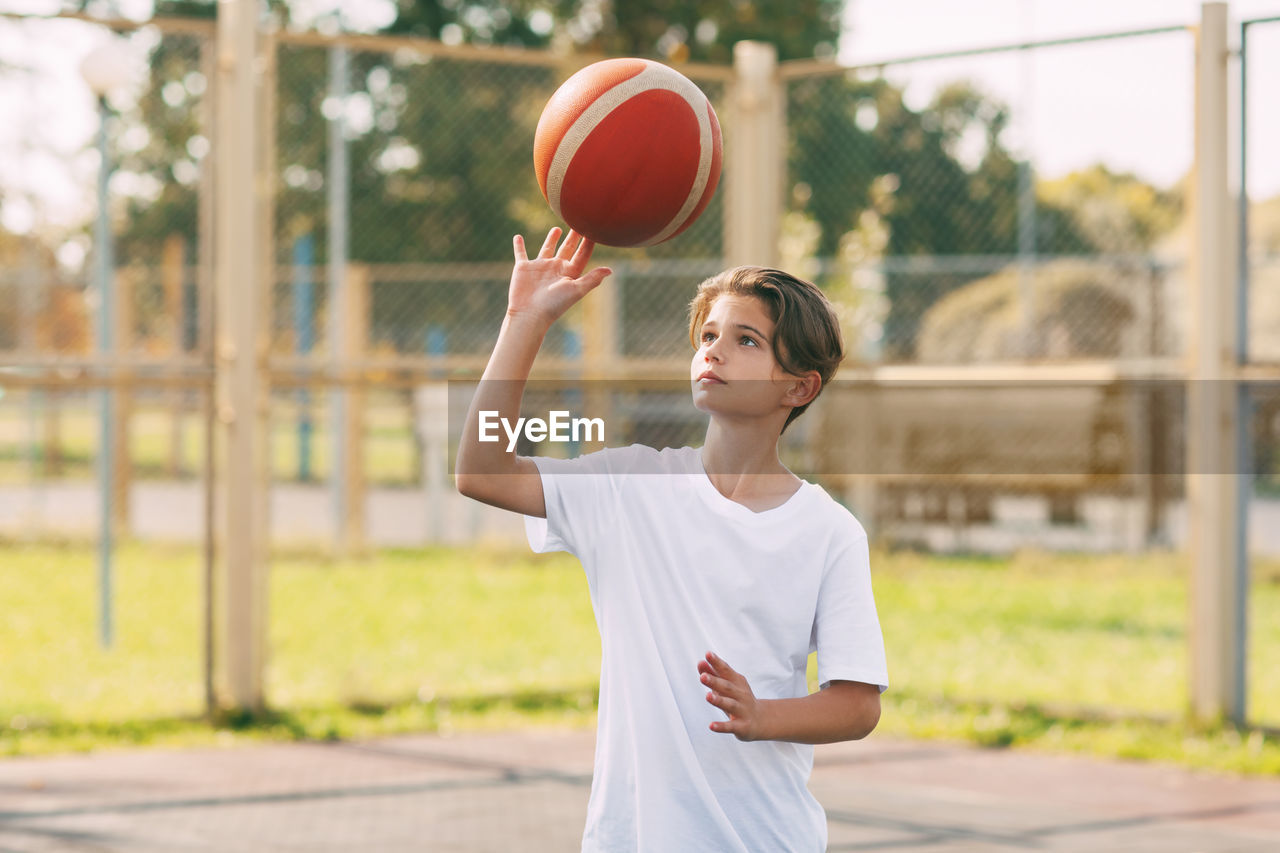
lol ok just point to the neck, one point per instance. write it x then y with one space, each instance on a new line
743 460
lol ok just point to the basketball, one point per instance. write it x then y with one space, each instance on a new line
627 152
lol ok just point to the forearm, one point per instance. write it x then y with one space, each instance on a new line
500 390
843 711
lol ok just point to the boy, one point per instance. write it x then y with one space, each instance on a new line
728 551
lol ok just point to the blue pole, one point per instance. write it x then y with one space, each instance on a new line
304 335
106 469
338 200
437 341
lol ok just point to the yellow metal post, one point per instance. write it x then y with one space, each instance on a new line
1217 588
241 377
755 159
352 349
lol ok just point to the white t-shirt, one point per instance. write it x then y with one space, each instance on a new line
675 570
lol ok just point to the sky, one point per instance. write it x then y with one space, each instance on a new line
1126 103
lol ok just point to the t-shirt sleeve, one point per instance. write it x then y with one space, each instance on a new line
846 629
579 497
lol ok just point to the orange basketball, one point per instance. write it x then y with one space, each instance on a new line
628 152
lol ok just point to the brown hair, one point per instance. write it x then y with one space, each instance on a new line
806 332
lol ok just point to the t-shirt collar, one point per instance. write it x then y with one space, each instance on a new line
725 506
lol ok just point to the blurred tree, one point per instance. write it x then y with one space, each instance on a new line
940 180
673 30
439 149
1114 212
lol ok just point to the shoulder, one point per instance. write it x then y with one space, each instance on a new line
842 526
619 461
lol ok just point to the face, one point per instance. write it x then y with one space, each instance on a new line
734 370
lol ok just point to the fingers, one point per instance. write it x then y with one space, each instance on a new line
725 693
730 692
572 241
728 704
592 280
719 685
549 245
582 254
728 726
715 667
719 666
517 243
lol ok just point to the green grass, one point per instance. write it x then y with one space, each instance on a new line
999 652
1091 631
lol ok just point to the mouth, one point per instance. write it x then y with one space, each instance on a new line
709 377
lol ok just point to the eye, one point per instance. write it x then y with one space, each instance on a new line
747 339
707 337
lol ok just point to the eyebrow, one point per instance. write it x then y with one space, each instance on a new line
759 333
706 323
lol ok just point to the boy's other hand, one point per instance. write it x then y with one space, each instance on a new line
543 288
731 693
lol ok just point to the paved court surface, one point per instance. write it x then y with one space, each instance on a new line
303 515
528 792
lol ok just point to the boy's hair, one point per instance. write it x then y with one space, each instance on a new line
806 332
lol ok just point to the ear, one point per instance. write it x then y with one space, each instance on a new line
802 389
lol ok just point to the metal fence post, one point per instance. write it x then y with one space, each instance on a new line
1218 563
352 348
203 343
754 162
241 378
122 410
337 190
173 268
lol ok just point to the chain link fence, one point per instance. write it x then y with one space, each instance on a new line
971 265
51 338
1013 321
1259 260
402 168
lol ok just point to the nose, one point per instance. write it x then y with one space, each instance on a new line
711 352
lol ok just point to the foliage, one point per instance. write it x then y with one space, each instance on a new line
672 30
439 151
857 147
1116 213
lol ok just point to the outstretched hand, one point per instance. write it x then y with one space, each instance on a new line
731 693
546 286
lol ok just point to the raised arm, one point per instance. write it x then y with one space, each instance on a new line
542 289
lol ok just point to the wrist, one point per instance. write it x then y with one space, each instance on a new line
527 322
766 719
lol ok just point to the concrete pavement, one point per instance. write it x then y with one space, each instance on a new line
528 792
304 515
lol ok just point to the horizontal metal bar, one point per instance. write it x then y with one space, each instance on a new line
387 43
1082 372
420 44
793 69
409 371
184 26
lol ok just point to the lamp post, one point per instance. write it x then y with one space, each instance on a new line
105 69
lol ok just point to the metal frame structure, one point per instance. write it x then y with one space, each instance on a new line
236 372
